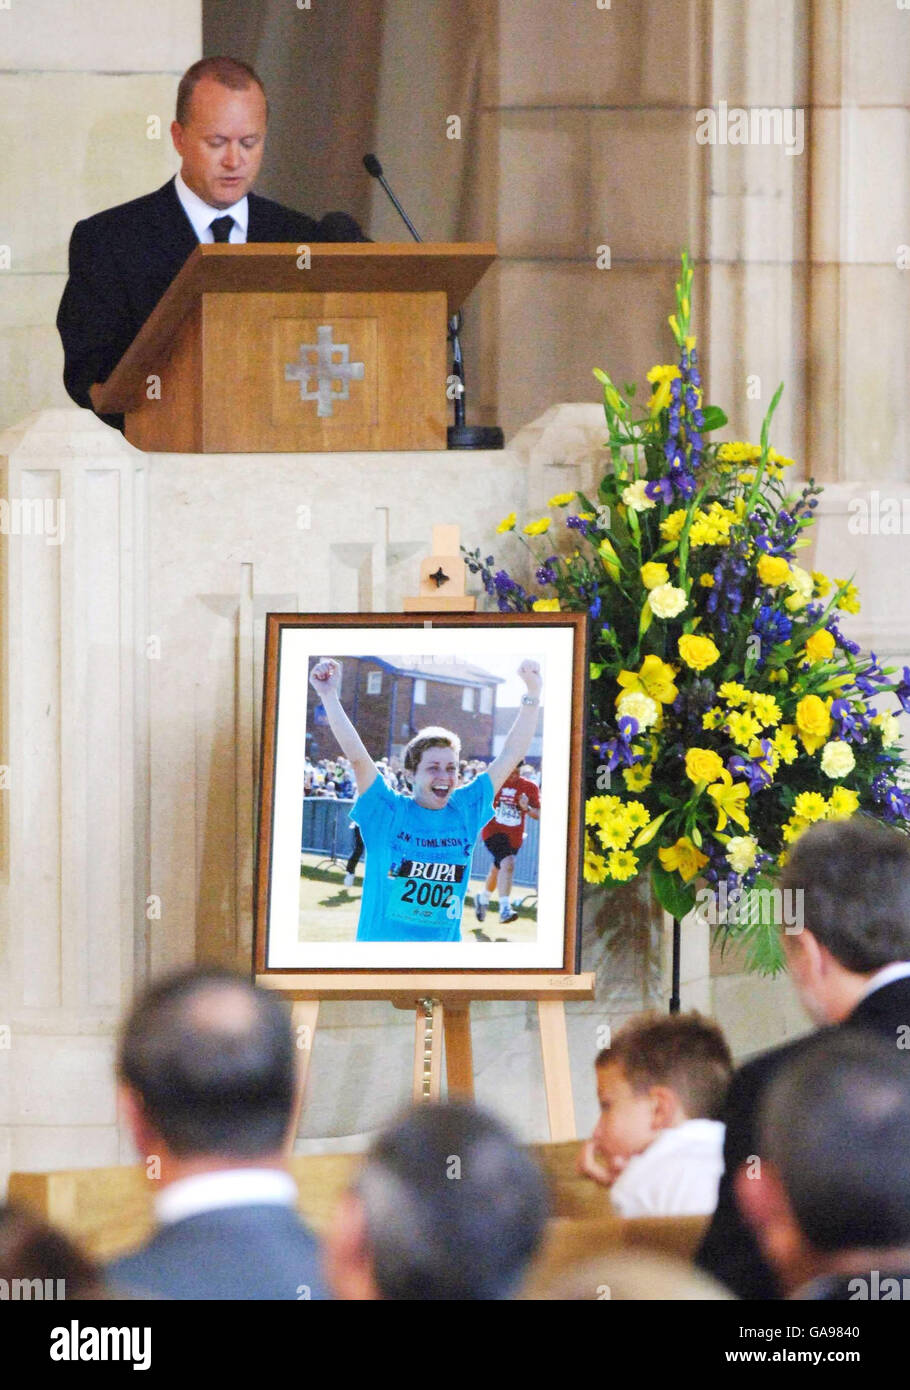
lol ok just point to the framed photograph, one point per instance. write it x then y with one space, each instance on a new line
421 793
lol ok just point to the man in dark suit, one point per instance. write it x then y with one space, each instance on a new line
122 260
207 1067
850 963
831 1211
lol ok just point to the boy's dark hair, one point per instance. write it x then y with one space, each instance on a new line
432 737
685 1052
835 1122
211 1083
854 876
229 72
455 1208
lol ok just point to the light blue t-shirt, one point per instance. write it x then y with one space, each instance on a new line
418 862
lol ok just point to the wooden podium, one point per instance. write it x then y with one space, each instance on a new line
280 348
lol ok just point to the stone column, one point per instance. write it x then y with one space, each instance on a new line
73 923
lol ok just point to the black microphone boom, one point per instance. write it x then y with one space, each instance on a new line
459 435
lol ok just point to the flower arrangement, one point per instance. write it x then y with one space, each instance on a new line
727 711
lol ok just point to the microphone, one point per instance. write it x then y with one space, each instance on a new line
459 435
374 169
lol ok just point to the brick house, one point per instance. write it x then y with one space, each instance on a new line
388 698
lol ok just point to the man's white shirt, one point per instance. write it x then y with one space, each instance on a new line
202 215
677 1175
232 1187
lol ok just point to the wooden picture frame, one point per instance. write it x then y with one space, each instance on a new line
296 931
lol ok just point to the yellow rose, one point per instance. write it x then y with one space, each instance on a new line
820 645
773 570
654 574
813 722
703 765
697 652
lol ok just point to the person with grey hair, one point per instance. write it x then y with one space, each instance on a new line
830 1205
850 963
448 1206
208 1080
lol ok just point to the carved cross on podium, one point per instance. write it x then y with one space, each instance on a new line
325 363
442 588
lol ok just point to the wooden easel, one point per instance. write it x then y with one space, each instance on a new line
442 1005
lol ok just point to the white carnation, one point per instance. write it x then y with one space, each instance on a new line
634 497
837 758
667 601
640 707
741 852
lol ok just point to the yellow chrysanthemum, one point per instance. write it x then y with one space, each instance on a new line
637 777
507 523
734 693
706 581
822 583
683 857
595 869
616 833
766 709
622 865
561 499
537 528
810 807
793 828
671 526
737 451
785 743
742 727
697 652
842 803
713 718
848 601
637 814
546 605
598 809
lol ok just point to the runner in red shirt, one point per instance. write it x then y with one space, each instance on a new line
516 799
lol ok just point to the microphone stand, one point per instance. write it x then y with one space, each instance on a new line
459 435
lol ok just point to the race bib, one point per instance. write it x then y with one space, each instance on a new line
507 813
427 894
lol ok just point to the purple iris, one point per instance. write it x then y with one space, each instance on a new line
660 489
619 750
756 775
902 691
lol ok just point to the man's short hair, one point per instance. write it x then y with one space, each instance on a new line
230 72
212 1060
432 737
685 1052
835 1123
854 877
454 1207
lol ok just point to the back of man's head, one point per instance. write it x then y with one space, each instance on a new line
854 880
454 1208
835 1124
211 1060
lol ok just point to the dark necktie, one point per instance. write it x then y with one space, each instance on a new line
221 228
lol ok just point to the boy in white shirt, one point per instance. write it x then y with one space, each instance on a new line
658 1144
